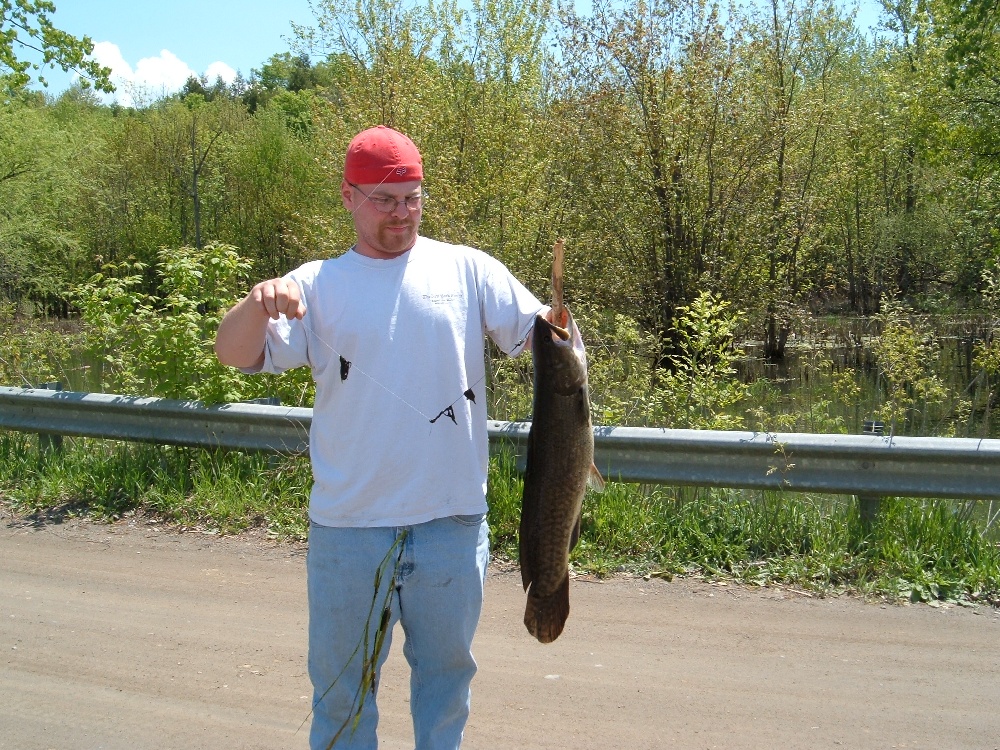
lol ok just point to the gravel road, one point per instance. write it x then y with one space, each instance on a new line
126 637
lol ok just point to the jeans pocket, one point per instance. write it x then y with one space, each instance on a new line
471 520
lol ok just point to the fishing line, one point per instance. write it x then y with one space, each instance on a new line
369 650
353 367
347 365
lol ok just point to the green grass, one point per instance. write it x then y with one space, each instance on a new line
920 550
917 550
227 492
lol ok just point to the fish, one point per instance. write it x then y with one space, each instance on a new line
560 464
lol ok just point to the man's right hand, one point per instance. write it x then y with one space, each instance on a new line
239 341
279 297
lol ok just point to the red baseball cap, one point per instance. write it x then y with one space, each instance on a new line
381 154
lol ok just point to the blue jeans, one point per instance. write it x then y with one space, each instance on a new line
361 581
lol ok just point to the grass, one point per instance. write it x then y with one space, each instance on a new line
919 550
224 492
916 550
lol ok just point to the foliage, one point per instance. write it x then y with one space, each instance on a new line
621 360
905 351
972 28
215 491
162 344
39 252
700 389
775 158
26 27
988 350
627 386
31 353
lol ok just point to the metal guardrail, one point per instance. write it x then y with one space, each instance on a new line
865 465
256 427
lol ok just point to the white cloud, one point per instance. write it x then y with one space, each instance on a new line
152 77
108 55
166 72
220 70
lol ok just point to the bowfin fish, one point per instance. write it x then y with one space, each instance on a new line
560 465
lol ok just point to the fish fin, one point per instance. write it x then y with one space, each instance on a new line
575 535
594 480
523 545
545 617
527 576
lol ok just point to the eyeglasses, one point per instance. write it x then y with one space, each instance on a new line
386 205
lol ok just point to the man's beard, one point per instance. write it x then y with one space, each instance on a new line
395 243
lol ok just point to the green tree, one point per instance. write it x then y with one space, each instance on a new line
274 191
851 269
800 46
161 344
905 351
969 31
914 233
27 32
645 129
39 251
702 388
972 29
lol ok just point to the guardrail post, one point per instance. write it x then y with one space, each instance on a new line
869 505
47 442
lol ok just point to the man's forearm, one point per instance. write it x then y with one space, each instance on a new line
240 338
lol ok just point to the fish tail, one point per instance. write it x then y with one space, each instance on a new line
544 617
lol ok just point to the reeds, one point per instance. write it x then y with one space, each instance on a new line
920 550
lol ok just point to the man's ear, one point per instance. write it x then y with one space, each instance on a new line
347 195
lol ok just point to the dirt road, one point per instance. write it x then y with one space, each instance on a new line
126 637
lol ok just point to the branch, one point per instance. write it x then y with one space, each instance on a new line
984 100
16 171
208 148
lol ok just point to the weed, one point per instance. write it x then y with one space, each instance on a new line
918 550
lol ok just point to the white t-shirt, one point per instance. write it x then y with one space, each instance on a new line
397 352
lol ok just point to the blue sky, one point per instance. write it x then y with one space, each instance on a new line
154 47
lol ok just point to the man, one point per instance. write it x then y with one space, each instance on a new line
393 332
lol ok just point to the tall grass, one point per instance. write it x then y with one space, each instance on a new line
225 492
916 549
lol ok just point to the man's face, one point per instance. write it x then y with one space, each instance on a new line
381 234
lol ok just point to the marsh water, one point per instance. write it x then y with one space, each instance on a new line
806 388
828 381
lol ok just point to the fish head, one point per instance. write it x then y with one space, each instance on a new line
559 355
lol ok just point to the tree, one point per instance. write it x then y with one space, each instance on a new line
973 31
26 30
969 31
800 45
39 252
659 97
